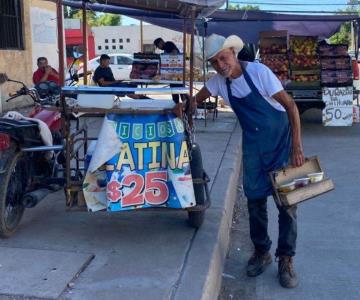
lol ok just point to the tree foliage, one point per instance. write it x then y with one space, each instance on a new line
343 36
93 18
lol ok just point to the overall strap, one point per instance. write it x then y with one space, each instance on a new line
248 80
228 86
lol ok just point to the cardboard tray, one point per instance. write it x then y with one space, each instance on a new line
311 165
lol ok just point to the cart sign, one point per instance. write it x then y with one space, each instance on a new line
339 106
152 166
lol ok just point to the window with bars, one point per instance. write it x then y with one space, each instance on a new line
11 31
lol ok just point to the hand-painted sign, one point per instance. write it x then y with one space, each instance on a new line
339 106
152 167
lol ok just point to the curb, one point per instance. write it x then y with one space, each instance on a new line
202 273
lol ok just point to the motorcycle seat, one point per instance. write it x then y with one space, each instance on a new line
18 123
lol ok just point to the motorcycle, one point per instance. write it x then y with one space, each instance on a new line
29 169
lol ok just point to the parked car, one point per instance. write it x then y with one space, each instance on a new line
120 65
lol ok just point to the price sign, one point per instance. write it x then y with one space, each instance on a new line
339 106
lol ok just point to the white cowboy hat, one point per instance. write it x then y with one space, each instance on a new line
215 43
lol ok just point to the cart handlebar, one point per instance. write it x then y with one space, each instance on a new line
74 90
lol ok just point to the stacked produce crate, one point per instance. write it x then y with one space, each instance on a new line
145 66
304 62
335 65
274 52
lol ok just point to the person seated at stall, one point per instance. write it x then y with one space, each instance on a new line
45 72
104 77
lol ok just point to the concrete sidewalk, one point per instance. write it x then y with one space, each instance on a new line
328 245
132 255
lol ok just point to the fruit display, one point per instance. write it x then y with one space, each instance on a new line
336 77
335 63
144 70
283 76
305 77
333 50
277 63
145 66
302 62
273 49
303 45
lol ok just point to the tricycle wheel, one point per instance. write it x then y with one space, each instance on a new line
196 218
13 184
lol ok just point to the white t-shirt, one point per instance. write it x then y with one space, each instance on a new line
263 78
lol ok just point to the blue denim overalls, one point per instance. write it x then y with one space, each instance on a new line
266 138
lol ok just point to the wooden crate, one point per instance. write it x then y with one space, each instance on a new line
276 38
311 165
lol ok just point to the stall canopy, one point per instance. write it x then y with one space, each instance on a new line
246 24
173 8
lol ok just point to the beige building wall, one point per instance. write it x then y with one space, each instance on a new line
19 64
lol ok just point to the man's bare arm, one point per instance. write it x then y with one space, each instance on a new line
202 95
289 104
102 82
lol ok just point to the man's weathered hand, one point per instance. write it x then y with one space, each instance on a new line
178 110
297 156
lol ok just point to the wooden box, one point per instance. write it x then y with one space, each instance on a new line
274 42
279 177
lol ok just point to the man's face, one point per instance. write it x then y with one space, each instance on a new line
224 62
160 45
42 64
105 63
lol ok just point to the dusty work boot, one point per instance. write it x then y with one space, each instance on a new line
286 272
258 263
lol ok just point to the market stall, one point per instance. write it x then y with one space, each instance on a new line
144 155
312 69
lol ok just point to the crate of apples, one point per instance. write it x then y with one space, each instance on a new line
305 62
305 78
303 45
273 49
277 63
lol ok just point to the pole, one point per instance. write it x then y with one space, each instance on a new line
192 51
141 37
184 51
59 18
204 62
85 41
192 62
227 4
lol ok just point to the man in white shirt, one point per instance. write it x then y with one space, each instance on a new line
271 136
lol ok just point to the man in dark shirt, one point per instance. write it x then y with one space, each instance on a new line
103 75
167 47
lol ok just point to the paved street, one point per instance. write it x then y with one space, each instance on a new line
328 238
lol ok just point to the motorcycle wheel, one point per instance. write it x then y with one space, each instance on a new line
13 182
196 218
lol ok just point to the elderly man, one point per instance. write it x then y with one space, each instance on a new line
271 136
